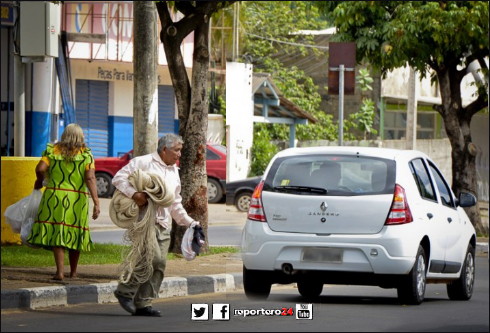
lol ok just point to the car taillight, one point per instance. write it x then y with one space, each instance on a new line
256 211
400 212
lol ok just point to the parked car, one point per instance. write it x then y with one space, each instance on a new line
361 216
106 168
239 192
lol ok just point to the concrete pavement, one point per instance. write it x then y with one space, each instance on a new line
76 292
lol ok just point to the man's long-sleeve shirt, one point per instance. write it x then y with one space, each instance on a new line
170 173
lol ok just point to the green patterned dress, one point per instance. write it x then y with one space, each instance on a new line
63 215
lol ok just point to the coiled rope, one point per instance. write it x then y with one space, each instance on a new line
125 213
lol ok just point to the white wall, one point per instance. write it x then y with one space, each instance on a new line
239 120
120 75
396 85
216 129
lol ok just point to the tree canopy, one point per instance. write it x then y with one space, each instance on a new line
442 38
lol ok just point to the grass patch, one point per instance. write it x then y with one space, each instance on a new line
24 256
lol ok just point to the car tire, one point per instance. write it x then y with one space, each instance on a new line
215 192
462 288
256 284
104 185
242 201
310 288
412 287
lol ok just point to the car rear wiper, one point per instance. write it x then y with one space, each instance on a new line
300 189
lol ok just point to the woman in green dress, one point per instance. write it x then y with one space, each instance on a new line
66 169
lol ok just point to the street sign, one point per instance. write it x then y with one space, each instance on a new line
342 53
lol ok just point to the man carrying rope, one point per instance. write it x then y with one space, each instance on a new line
135 292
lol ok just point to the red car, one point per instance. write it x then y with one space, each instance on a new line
106 168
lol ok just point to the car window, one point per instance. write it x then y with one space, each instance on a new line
220 148
210 155
332 175
444 190
422 179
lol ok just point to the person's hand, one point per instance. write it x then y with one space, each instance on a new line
194 224
141 199
96 211
38 184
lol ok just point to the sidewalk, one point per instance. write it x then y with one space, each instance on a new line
31 288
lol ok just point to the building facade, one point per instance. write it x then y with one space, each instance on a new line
95 75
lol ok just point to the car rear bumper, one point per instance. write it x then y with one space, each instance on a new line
382 253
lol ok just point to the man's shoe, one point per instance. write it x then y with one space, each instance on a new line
147 311
126 303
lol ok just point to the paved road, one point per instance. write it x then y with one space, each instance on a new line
225 225
339 309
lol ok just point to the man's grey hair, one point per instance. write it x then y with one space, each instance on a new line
169 140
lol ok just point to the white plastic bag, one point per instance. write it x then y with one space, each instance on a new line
186 245
21 215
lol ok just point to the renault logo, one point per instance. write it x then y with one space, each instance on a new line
323 206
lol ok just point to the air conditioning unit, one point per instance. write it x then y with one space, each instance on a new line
39 28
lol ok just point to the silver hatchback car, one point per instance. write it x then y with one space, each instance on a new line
361 216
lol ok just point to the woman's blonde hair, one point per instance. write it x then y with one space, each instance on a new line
72 141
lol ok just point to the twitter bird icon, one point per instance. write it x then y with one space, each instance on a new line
199 312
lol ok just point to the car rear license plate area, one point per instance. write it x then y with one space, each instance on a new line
322 254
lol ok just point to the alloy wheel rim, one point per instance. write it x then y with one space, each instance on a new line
470 272
244 203
421 276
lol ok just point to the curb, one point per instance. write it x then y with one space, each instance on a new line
40 297
481 249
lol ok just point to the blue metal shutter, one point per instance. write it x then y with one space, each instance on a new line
166 110
92 110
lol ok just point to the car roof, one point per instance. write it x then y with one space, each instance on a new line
389 153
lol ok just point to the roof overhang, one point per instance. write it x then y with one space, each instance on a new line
271 107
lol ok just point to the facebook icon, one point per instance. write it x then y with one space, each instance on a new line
221 311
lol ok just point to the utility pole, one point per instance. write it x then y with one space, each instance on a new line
20 110
341 76
145 60
236 22
411 126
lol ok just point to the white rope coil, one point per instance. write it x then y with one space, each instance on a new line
125 213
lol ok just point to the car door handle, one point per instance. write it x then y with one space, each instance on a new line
429 215
449 219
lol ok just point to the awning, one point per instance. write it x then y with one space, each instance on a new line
270 106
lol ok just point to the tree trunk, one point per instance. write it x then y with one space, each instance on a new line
194 193
145 112
463 155
192 103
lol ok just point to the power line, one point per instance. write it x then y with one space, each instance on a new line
289 43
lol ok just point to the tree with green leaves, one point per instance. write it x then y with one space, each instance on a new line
192 98
444 39
268 38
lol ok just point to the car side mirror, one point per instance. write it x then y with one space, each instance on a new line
466 199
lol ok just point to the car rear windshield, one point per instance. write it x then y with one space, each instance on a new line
340 175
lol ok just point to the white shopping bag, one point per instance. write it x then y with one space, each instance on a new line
21 215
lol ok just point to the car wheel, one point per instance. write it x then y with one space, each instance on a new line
310 288
462 288
104 185
215 193
242 201
256 284
412 287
